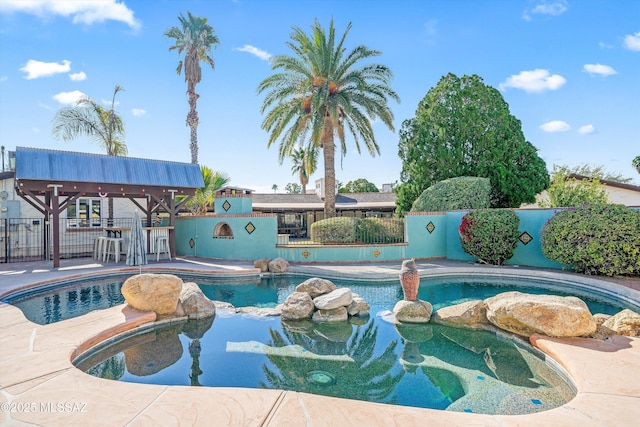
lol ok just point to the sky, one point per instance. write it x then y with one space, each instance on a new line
569 70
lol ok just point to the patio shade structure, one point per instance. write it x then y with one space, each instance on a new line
136 251
51 180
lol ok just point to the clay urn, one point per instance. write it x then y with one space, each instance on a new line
410 279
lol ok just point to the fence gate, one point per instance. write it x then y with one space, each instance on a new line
22 239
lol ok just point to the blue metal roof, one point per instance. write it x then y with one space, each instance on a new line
53 165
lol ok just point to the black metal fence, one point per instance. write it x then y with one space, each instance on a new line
322 229
30 239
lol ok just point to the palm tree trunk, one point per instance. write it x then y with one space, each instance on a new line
328 149
192 122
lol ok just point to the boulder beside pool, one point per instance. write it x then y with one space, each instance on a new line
551 315
153 292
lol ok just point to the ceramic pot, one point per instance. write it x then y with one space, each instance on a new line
410 279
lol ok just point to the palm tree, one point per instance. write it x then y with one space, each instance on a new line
636 163
322 90
203 199
305 162
195 38
90 119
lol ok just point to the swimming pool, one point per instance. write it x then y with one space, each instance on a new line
429 366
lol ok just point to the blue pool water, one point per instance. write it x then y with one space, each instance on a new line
429 365
58 302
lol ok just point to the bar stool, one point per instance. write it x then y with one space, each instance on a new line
161 246
114 246
98 247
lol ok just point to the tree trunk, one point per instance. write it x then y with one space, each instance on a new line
328 149
192 122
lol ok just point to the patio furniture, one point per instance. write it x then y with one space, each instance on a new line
114 246
99 245
162 246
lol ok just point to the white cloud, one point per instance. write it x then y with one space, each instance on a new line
265 56
632 41
138 112
555 126
603 70
546 8
108 102
4 78
77 77
534 81
586 129
604 45
68 98
80 11
36 69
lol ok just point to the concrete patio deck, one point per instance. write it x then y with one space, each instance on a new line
39 385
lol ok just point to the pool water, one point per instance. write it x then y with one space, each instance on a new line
422 365
59 302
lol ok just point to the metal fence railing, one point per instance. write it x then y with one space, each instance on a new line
322 229
30 239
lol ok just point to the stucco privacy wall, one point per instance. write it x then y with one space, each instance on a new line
428 235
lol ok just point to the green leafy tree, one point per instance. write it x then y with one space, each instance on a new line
322 90
567 191
360 185
200 203
293 188
592 171
305 163
90 119
195 38
464 128
274 187
636 163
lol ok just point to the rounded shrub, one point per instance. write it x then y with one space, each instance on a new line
595 239
381 230
335 230
464 192
490 235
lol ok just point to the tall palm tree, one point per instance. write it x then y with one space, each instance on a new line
203 199
305 161
322 90
90 119
195 38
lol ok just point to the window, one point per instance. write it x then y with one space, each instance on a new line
85 213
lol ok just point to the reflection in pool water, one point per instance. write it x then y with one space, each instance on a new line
430 366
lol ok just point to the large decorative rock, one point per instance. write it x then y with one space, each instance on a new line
338 298
625 323
358 306
413 311
195 305
316 287
331 315
278 265
471 314
297 306
153 292
262 264
526 314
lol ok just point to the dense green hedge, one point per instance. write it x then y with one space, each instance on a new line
490 235
335 230
465 192
381 230
595 239
343 230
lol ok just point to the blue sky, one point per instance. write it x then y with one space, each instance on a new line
569 70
